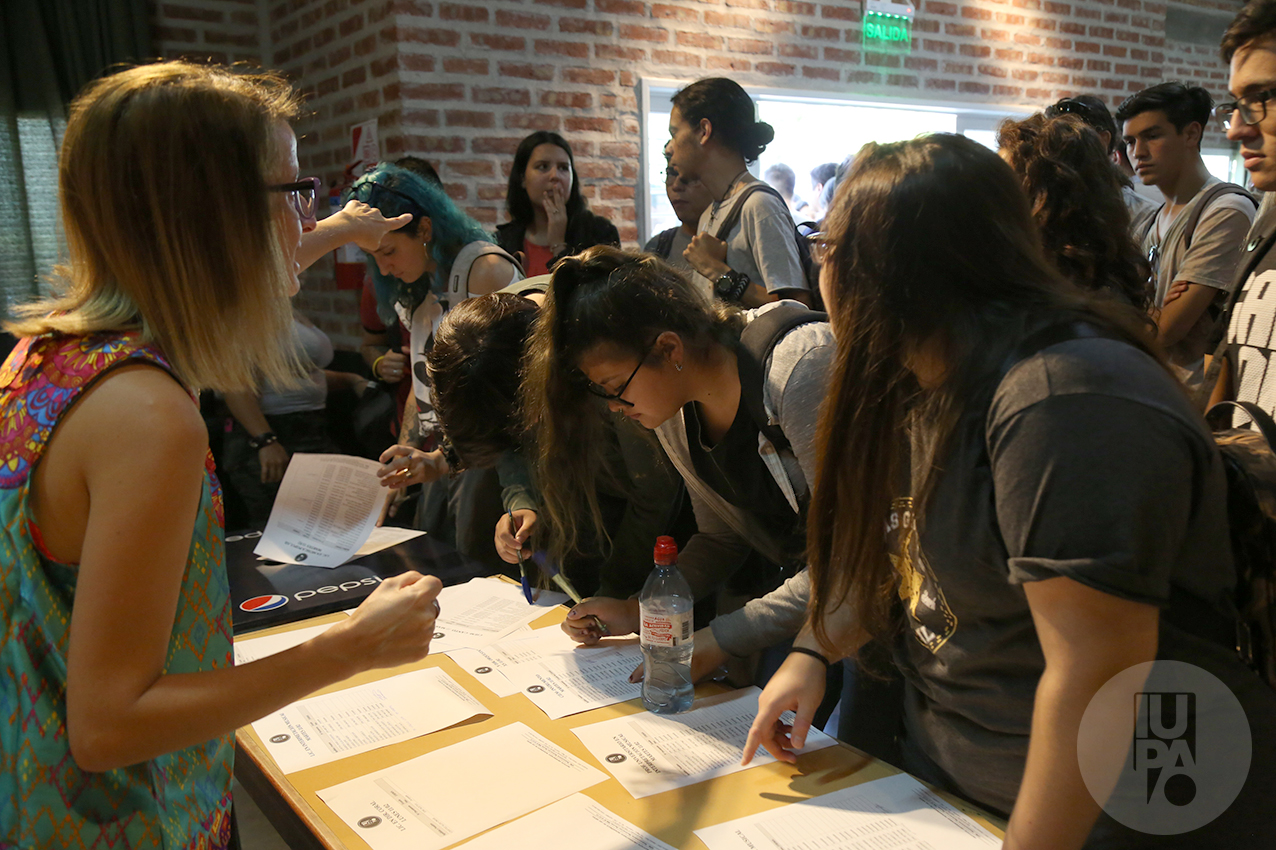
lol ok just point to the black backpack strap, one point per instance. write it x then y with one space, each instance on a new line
1262 419
1211 194
664 242
757 341
733 216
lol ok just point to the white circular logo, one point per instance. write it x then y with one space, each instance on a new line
1189 750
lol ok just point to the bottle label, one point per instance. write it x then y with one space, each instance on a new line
666 630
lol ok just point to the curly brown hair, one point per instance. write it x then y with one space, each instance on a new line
1075 193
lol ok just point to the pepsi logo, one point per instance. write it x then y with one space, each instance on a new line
263 603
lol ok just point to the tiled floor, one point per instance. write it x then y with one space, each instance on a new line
255 832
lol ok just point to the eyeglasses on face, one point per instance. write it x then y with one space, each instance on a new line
304 195
1252 107
595 389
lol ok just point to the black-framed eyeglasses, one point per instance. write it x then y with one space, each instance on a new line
368 191
820 247
304 195
1252 107
595 389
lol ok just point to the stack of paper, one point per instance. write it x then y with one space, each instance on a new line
321 729
650 753
559 676
435 800
577 822
896 812
483 611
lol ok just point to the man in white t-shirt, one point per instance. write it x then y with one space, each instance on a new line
1249 46
1196 238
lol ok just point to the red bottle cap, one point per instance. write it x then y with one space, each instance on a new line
666 550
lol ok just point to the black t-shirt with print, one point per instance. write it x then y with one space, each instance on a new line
1093 466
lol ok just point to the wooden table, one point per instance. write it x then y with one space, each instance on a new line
304 821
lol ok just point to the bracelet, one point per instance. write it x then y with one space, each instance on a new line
262 440
812 653
375 364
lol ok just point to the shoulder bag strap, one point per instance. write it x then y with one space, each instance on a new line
757 341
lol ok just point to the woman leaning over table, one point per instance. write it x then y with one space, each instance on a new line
120 690
1053 506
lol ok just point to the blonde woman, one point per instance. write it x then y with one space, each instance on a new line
183 214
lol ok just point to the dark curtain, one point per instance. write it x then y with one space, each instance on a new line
48 50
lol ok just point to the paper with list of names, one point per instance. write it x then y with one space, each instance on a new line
435 800
558 675
255 648
892 813
326 508
650 753
322 729
587 822
484 610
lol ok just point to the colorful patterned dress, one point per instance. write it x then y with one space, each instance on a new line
178 800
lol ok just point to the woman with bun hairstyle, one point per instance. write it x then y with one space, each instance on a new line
714 136
548 215
120 694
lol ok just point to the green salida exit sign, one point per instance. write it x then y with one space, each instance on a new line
887 27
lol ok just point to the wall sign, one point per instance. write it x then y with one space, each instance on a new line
887 27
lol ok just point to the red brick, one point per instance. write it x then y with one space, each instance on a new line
863 77
365 45
1040 59
521 20
615 51
457 65
1102 32
181 35
1070 63
472 12
574 49
799 51
1007 91
840 12
1060 9
993 71
531 121
497 42
727 19
492 191
421 35
934 7
1053 78
903 80
1115 51
322 38
748 45
994 35
921 63
1048 24
238 39
525 71
837 54
882 60
939 84
417 62
622 150
354 77
821 73
931 45
328 86
570 100
1099 66
584 25
340 55
810 33
698 39
187 13
469 118
1024 75
582 124
1071 28
421 117
794 7
676 57
677 13
1125 70
723 62
436 144
978 51
1005 55
960 30
468 167
974 88
1059 43
350 25
767 25
958 69
487 144
618 193
975 13
589 76
749 4
1085 47
633 32
776 69
434 91
343 106
620 7
369 100
1010 20
594 170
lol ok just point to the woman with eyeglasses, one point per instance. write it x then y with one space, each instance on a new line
549 218
1014 492
626 329
437 260
119 687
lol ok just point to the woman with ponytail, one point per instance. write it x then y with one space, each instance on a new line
745 250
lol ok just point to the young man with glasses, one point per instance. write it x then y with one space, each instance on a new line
1195 240
1249 47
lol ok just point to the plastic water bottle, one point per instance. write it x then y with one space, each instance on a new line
666 631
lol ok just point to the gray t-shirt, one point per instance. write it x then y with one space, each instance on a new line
681 239
1210 261
762 244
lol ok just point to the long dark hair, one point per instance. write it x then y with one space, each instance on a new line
730 110
517 202
1076 200
603 295
906 276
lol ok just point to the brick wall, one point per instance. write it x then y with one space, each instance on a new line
461 82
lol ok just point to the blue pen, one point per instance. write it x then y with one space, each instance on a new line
522 567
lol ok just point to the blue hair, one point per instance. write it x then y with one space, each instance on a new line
451 230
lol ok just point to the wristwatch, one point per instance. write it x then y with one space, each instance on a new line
731 285
262 440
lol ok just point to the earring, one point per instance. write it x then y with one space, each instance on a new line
678 366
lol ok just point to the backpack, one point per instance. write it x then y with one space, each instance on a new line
1250 467
810 269
757 341
1189 228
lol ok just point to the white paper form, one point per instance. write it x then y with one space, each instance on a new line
558 675
483 611
385 536
893 813
577 821
326 507
435 800
650 753
253 648
356 720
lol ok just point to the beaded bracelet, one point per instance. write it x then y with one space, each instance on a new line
810 652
